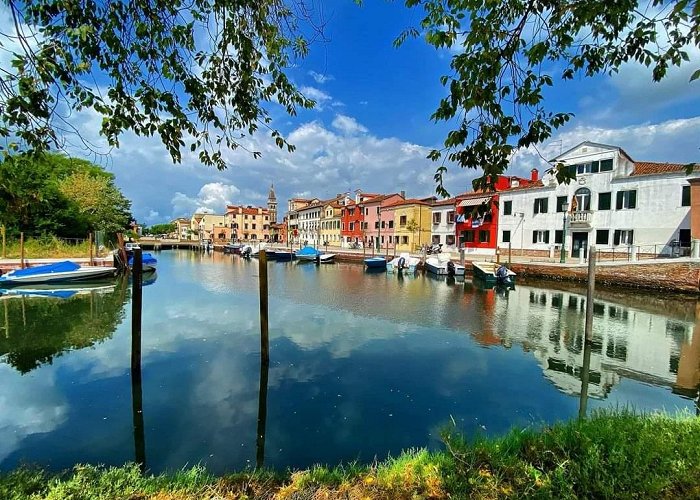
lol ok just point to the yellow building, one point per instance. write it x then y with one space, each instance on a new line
412 224
330 224
213 227
248 223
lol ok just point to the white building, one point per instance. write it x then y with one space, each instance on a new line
310 221
614 203
443 225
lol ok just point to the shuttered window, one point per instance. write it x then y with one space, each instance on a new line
626 199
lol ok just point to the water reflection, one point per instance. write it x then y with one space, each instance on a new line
41 323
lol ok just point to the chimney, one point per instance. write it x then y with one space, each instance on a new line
403 194
534 175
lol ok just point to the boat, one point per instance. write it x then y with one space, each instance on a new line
255 249
307 253
375 263
408 264
59 291
439 266
284 255
493 274
58 272
232 248
148 262
131 246
327 258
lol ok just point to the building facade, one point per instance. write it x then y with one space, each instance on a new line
248 223
331 221
613 202
412 223
443 228
376 227
293 206
352 220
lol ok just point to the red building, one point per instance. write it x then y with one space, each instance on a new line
477 213
352 218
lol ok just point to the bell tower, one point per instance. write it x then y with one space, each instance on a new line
272 204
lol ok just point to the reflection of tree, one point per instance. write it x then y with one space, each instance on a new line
40 329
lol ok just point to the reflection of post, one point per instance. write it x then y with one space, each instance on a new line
7 320
585 376
264 340
136 389
262 413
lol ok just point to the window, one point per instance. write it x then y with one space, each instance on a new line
560 203
402 220
376 225
624 237
404 240
558 236
507 207
602 237
604 201
626 199
582 199
685 196
436 239
506 237
684 237
352 226
451 217
245 216
541 206
540 236
484 236
450 240
436 217
468 236
253 226
391 224
246 226
606 165
377 210
383 224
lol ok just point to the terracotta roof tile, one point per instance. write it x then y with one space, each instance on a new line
410 201
655 168
448 201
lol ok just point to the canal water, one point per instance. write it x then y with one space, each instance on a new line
361 365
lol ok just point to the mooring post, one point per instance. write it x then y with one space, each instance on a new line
264 339
591 290
90 245
21 250
4 252
136 386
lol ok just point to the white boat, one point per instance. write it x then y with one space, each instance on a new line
309 253
489 273
327 258
57 272
439 266
255 249
409 264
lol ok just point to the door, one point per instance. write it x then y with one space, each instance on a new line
579 242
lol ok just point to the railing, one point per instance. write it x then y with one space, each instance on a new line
581 217
642 252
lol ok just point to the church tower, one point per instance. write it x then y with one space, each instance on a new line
272 204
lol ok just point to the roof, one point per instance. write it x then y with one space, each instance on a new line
530 185
592 144
655 168
410 201
448 201
379 198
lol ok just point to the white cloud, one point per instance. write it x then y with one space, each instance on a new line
212 198
317 95
348 125
671 141
321 78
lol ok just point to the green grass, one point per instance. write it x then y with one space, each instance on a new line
610 455
48 247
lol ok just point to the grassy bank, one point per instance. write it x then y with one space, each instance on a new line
47 248
608 456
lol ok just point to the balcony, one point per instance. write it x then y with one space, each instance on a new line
581 218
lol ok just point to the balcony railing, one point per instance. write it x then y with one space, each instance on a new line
581 218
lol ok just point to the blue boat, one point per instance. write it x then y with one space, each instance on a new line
148 261
307 253
375 263
58 272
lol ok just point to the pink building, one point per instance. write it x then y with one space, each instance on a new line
376 224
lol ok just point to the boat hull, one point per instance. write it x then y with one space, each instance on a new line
82 274
486 272
375 263
284 256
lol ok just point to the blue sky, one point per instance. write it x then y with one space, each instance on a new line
372 130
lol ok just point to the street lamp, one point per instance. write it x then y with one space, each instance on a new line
562 258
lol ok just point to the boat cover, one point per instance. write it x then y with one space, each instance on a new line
57 267
308 250
146 259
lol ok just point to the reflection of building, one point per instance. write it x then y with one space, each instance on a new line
613 202
687 363
627 343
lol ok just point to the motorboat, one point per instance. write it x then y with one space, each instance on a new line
440 267
232 248
309 253
64 271
148 262
284 255
404 262
375 263
493 273
255 249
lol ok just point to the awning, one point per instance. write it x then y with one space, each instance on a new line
474 202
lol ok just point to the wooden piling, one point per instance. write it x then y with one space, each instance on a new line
264 339
21 250
4 250
90 245
589 295
136 380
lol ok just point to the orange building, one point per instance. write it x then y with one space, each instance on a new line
248 223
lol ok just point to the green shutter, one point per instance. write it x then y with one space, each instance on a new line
620 195
616 239
534 236
546 236
536 207
633 199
